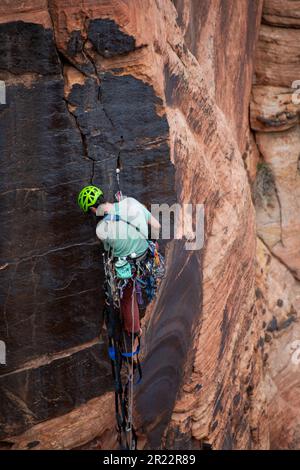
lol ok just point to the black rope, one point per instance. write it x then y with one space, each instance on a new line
116 346
119 165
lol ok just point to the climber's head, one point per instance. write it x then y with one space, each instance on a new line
103 208
89 196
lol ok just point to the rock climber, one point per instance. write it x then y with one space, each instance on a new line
123 229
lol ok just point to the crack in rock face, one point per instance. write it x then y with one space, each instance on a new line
75 44
168 342
124 106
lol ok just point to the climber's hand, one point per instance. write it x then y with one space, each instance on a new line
93 209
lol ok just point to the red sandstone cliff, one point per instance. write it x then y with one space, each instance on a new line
275 121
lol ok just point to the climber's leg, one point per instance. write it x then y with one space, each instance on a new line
129 308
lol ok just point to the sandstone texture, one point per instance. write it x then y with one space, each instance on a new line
167 83
278 303
282 13
275 112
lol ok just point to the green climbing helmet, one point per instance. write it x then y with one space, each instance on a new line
88 197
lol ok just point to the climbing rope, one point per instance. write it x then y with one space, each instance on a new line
131 371
144 275
119 194
121 352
